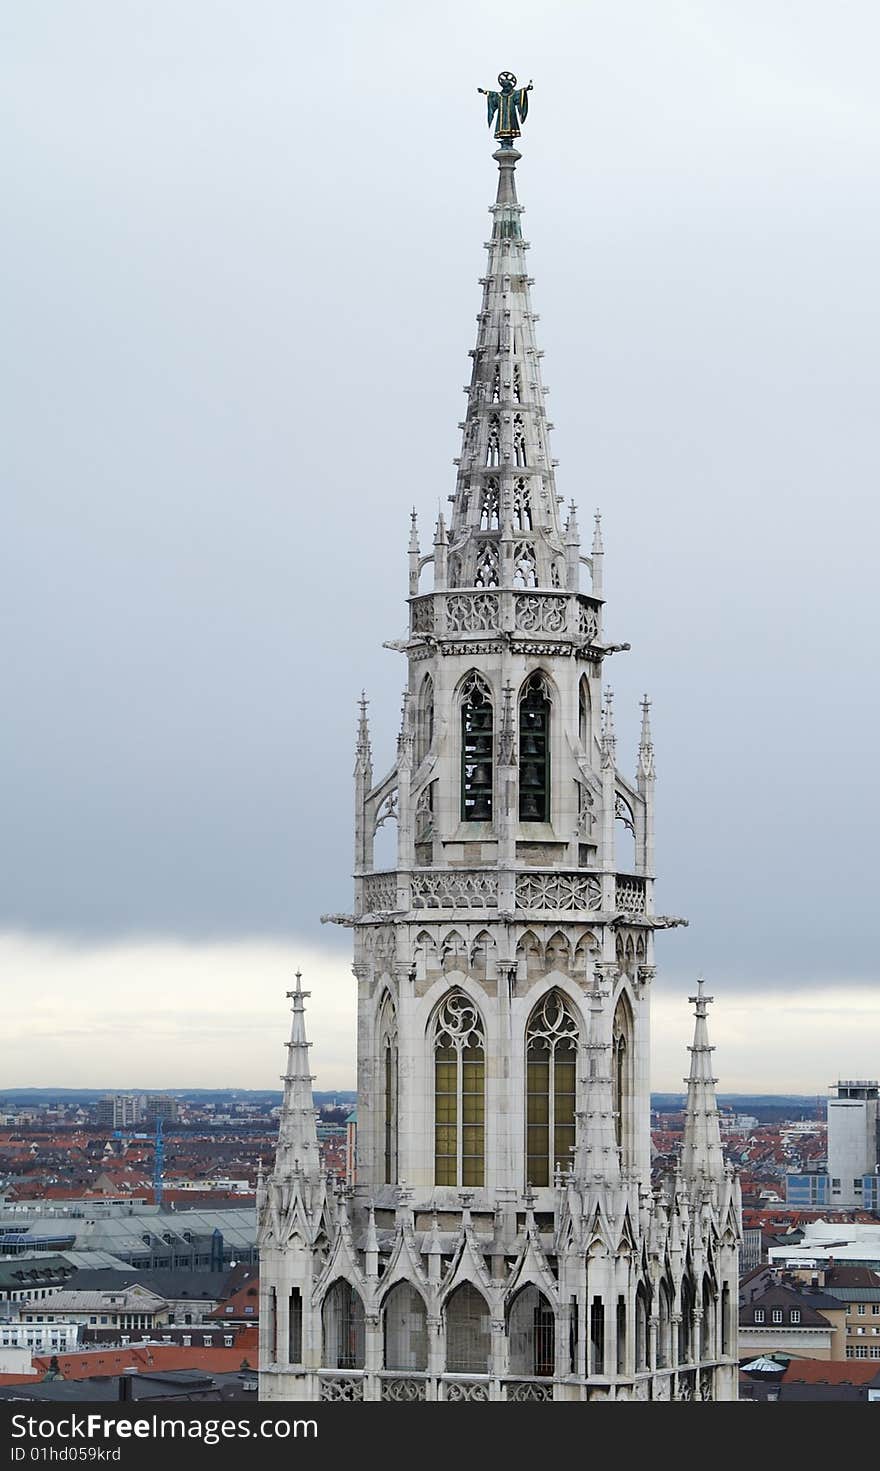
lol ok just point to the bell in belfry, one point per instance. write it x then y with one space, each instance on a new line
529 809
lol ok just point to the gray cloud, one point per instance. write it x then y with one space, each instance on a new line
240 280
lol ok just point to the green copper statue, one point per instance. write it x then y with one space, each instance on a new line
511 105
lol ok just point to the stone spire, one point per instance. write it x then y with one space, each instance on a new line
609 739
701 1153
363 752
297 1150
646 745
505 521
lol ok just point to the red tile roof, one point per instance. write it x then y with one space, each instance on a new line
830 1371
152 1358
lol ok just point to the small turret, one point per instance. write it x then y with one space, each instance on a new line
297 1151
701 1154
598 556
413 554
572 549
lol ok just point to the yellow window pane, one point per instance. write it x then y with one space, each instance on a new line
444 1171
537 1170
538 1077
472 1172
472 1139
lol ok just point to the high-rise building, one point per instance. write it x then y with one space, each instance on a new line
118 1111
156 1106
502 1240
852 1139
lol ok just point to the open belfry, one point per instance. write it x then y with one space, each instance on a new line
502 1238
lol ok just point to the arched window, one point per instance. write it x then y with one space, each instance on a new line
468 1340
486 571
525 565
342 1322
294 1326
585 723
424 720
534 751
707 1322
476 751
551 1079
519 440
424 832
725 1319
686 1325
664 1327
388 1061
621 1078
489 507
522 506
643 1313
459 1093
531 1332
406 1329
493 444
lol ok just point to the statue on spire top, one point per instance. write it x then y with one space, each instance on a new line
509 107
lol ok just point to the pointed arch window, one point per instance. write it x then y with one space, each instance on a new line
476 752
496 384
486 572
551 1080
525 566
459 1093
621 1077
519 441
425 720
585 723
342 1322
493 444
517 384
522 506
534 751
489 506
388 1061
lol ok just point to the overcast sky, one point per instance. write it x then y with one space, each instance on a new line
241 250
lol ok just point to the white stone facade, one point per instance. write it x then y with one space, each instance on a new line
503 1240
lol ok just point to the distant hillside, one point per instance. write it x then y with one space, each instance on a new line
768 1107
218 1096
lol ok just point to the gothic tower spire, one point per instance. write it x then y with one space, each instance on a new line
297 1133
496 1238
505 527
701 1151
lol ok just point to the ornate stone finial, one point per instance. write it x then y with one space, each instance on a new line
363 754
646 745
509 106
609 740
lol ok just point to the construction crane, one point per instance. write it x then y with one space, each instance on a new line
158 1156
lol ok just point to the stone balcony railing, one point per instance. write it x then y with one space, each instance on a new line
537 891
531 614
409 1387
